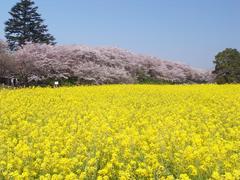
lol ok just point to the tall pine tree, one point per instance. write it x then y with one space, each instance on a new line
26 25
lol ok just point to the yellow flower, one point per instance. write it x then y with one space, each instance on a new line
120 132
216 175
228 176
193 170
236 174
105 177
142 172
184 177
170 177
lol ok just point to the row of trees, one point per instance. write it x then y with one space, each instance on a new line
26 26
42 64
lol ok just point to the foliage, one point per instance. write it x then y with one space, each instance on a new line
100 66
121 132
26 25
227 67
142 78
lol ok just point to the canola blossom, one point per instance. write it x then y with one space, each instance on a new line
121 132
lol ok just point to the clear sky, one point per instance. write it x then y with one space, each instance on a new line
188 31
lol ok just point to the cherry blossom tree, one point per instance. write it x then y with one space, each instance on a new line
99 65
7 63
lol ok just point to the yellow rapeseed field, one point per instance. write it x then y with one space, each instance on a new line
121 132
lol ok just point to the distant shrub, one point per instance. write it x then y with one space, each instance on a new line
144 78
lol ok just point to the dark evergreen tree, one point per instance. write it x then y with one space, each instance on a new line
227 66
26 25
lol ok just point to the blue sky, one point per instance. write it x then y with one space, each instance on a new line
188 31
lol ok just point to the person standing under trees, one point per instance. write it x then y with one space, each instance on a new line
26 25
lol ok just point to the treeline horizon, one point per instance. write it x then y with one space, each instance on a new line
26 26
